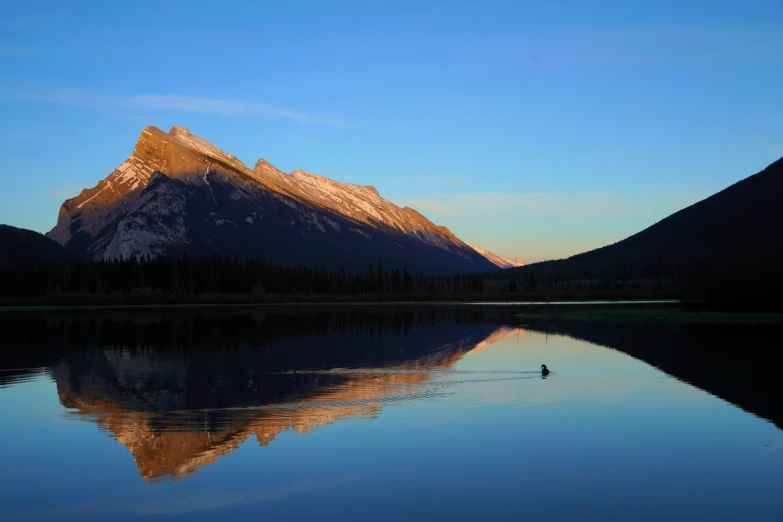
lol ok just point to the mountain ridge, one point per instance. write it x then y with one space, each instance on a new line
213 203
737 229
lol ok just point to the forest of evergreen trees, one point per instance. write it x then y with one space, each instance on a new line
187 277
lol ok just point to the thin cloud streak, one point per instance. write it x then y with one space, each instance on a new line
229 108
65 191
423 205
174 103
489 205
548 225
58 194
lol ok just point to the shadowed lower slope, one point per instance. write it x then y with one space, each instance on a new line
19 246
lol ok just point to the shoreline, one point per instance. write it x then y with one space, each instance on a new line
288 304
651 312
656 316
117 301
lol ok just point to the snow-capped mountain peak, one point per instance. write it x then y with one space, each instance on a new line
214 203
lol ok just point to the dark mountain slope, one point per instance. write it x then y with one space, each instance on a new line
224 217
739 227
19 246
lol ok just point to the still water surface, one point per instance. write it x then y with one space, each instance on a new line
385 414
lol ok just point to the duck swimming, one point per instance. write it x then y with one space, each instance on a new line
544 370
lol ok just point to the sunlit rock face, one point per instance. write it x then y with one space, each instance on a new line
176 413
179 191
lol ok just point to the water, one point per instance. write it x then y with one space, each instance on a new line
385 414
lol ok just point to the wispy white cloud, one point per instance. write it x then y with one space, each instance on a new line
229 108
423 205
174 103
65 191
539 226
491 206
59 194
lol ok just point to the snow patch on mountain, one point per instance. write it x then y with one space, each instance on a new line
500 262
361 232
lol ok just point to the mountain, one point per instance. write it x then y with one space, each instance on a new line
734 234
739 363
179 191
19 246
500 262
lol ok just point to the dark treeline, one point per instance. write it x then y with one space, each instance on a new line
190 278
216 275
753 284
741 281
225 328
729 282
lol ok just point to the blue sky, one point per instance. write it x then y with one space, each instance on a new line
535 129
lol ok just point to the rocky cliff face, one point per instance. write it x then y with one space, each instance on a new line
179 191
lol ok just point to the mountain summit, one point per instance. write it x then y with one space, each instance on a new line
179 191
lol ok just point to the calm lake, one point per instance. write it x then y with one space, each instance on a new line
385 413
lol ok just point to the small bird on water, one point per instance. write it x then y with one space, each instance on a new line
544 370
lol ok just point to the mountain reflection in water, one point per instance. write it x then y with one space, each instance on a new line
181 389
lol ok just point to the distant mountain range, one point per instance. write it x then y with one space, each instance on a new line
736 233
177 191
